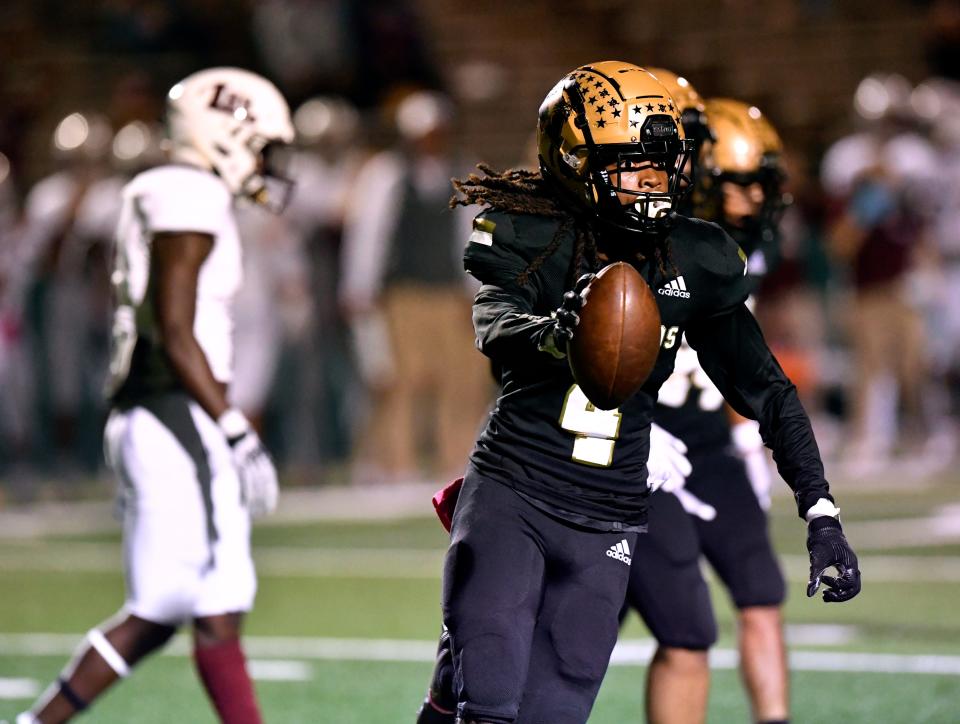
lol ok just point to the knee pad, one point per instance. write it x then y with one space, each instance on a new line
442 697
583 644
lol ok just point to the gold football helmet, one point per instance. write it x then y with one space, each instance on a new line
693 117
745 150
690 103
746 143
607 115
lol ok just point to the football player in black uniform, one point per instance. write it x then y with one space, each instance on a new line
739 187
555 492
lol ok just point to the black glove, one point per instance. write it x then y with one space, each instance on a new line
565 319
828 547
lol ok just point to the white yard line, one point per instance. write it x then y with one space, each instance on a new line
941 527
627 653
262 670
18 688
820 634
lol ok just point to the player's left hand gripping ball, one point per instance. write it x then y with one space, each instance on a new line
829 547
566 317
258 476
568 314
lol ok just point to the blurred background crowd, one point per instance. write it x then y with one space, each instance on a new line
354 347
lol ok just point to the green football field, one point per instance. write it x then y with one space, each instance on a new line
348 612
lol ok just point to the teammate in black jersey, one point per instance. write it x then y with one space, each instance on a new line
555 492
738 186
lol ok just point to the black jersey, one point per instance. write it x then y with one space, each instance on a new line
689 405
543 437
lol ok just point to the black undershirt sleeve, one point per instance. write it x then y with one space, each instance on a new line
507 329
734 354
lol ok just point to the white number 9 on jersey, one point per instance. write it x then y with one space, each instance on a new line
596 430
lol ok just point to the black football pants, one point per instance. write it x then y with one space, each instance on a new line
667 587
532 606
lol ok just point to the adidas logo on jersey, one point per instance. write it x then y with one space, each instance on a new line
676 288
621 552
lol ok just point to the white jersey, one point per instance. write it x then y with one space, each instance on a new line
171 199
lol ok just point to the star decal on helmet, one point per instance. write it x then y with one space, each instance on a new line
629 94
662 107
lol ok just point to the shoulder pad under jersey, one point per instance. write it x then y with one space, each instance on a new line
721 265
503 245
180 198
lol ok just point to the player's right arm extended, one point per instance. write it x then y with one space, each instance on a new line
175 261
509 332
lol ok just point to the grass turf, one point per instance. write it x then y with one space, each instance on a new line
897 617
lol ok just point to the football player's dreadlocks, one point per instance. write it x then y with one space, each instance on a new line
520 191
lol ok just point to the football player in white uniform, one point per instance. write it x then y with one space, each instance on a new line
192 470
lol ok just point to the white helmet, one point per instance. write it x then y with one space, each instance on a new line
225 120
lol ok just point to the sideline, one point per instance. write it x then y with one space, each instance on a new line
410 501
407 563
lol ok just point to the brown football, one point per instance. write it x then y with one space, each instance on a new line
615 345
